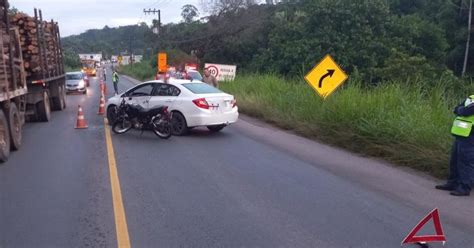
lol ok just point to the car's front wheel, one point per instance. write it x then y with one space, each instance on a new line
215 128
111 114
180 127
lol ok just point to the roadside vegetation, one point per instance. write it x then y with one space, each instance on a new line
407 123
142 71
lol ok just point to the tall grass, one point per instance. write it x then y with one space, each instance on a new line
142 71
404 122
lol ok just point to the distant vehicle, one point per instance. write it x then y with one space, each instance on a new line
188 75
195 75
75 82
89 67
192 104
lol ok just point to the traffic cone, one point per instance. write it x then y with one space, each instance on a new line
81 121
104 91
101 105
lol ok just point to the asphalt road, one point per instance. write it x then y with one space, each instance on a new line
248 186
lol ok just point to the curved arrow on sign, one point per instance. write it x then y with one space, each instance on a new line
329 74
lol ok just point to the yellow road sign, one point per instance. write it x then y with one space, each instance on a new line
162 62
326 77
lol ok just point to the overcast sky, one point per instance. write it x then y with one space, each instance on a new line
77 16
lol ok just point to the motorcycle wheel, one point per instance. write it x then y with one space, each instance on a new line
162 129
121 126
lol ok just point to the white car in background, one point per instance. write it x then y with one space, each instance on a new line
192 104
75 82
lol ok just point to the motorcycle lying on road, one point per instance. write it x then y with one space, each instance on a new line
129 116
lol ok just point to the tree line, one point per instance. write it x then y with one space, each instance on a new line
376 39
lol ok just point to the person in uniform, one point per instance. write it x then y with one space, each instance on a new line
461 167
115 80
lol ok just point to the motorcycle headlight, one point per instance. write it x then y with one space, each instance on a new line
81 84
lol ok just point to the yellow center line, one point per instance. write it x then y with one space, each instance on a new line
123 240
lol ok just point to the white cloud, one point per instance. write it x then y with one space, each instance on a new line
77 16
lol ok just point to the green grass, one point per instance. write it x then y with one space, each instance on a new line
406 123
71 69
141 71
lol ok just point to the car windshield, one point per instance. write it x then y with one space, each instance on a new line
201 88
75 76
195 75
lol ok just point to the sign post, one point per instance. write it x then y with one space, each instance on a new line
326 77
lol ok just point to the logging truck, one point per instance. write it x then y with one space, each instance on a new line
32 78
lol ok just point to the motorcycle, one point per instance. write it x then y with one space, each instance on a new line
129 116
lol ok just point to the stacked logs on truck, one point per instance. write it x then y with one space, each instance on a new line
6 73
36 45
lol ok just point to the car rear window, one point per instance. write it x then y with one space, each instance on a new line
201 88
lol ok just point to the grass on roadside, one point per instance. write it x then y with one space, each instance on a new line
142 71
403 123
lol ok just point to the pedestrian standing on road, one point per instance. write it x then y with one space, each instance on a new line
105 73
461 167
209 79
115 80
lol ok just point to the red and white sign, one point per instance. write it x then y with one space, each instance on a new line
222 72
191 67
439 237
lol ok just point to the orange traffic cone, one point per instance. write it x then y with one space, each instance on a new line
104 90
81 121
101 105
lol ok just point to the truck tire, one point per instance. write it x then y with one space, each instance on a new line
43 108
14 122
4 138
59 102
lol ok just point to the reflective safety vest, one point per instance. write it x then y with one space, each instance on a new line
115 77
462 125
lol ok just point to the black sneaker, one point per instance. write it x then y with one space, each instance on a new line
460 193
462 190
446 186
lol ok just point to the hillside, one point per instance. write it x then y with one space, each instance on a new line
108 40
376 39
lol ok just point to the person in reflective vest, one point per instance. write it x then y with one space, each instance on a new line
461 167
115 80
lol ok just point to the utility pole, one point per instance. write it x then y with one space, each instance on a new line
156 29
466 54
130 50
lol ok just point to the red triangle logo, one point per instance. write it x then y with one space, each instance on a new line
439 237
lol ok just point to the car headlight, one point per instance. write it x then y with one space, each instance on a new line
81 84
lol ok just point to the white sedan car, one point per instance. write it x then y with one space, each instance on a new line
192 104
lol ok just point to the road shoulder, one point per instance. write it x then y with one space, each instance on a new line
405 185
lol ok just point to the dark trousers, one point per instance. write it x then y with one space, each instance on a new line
461 166
116 87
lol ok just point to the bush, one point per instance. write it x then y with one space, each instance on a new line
142 71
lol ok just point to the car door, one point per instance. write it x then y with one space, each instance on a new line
165 95
140 95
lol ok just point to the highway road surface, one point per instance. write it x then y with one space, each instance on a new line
249 186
